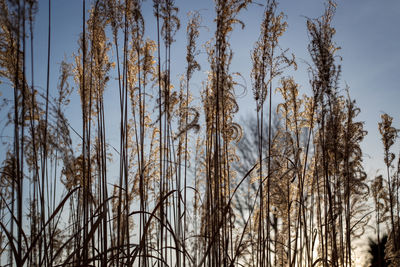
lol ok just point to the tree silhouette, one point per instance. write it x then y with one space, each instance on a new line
377 251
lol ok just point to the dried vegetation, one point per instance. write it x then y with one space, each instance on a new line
187 186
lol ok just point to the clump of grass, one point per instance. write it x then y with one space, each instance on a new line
296 199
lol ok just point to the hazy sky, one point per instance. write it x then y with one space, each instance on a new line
368 33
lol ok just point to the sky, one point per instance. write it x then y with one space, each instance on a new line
367 31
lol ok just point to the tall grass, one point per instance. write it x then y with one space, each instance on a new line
187 186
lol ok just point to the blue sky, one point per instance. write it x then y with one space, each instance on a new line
367 32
